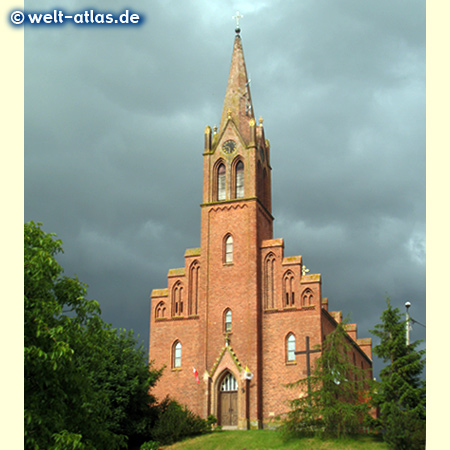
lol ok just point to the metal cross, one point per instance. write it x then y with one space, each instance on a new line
308 352
237 17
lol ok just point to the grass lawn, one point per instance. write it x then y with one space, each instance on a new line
271 440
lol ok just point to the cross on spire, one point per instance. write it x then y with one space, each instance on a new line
237 17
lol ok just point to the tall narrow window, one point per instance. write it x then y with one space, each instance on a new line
289 289
229 249
177 300
221 182
177 355
240 179
269 288
290 348
193 288
228 321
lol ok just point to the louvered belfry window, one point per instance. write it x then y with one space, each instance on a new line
240 180
221 182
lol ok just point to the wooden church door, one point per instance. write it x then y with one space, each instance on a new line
228 401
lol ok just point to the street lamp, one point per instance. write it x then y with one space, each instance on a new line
407 305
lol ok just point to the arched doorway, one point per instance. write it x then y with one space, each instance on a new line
228 401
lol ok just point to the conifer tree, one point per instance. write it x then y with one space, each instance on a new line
336 405
401 393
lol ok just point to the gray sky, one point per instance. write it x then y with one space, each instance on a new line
114 123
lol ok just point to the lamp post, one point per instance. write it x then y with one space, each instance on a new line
408 319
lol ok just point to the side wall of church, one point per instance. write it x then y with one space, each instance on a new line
359 356
278 370
176 317
291 305
178 382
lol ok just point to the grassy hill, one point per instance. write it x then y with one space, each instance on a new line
271 440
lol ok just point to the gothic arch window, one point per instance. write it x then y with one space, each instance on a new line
229 383
176 355
269 286
221 182
194 275
239 179
228 249
290 347
307 298
178 300
160 310
227 321
289 290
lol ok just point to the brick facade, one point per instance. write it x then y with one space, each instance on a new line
238 300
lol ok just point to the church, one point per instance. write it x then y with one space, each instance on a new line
240 319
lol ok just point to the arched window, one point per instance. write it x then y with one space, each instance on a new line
160 310
177 300
229 383
290 348
307 298
228 254
227 321
193 288
176 355
269 287
240 179
221 182
289 293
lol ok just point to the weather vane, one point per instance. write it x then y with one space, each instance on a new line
237 17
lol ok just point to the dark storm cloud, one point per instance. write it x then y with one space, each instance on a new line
114 122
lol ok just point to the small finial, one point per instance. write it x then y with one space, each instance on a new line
237 17
261 120
304 270
229 113
215 129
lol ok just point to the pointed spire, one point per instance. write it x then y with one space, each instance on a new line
238 102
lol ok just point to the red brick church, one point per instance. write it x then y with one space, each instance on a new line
230 322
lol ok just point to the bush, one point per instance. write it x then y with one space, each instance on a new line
176 422
150 445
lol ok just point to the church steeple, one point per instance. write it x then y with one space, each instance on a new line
237 155
238 102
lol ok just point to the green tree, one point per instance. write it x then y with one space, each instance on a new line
86 385
401 393
337 402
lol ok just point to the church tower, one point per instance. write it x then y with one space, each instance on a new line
229 324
